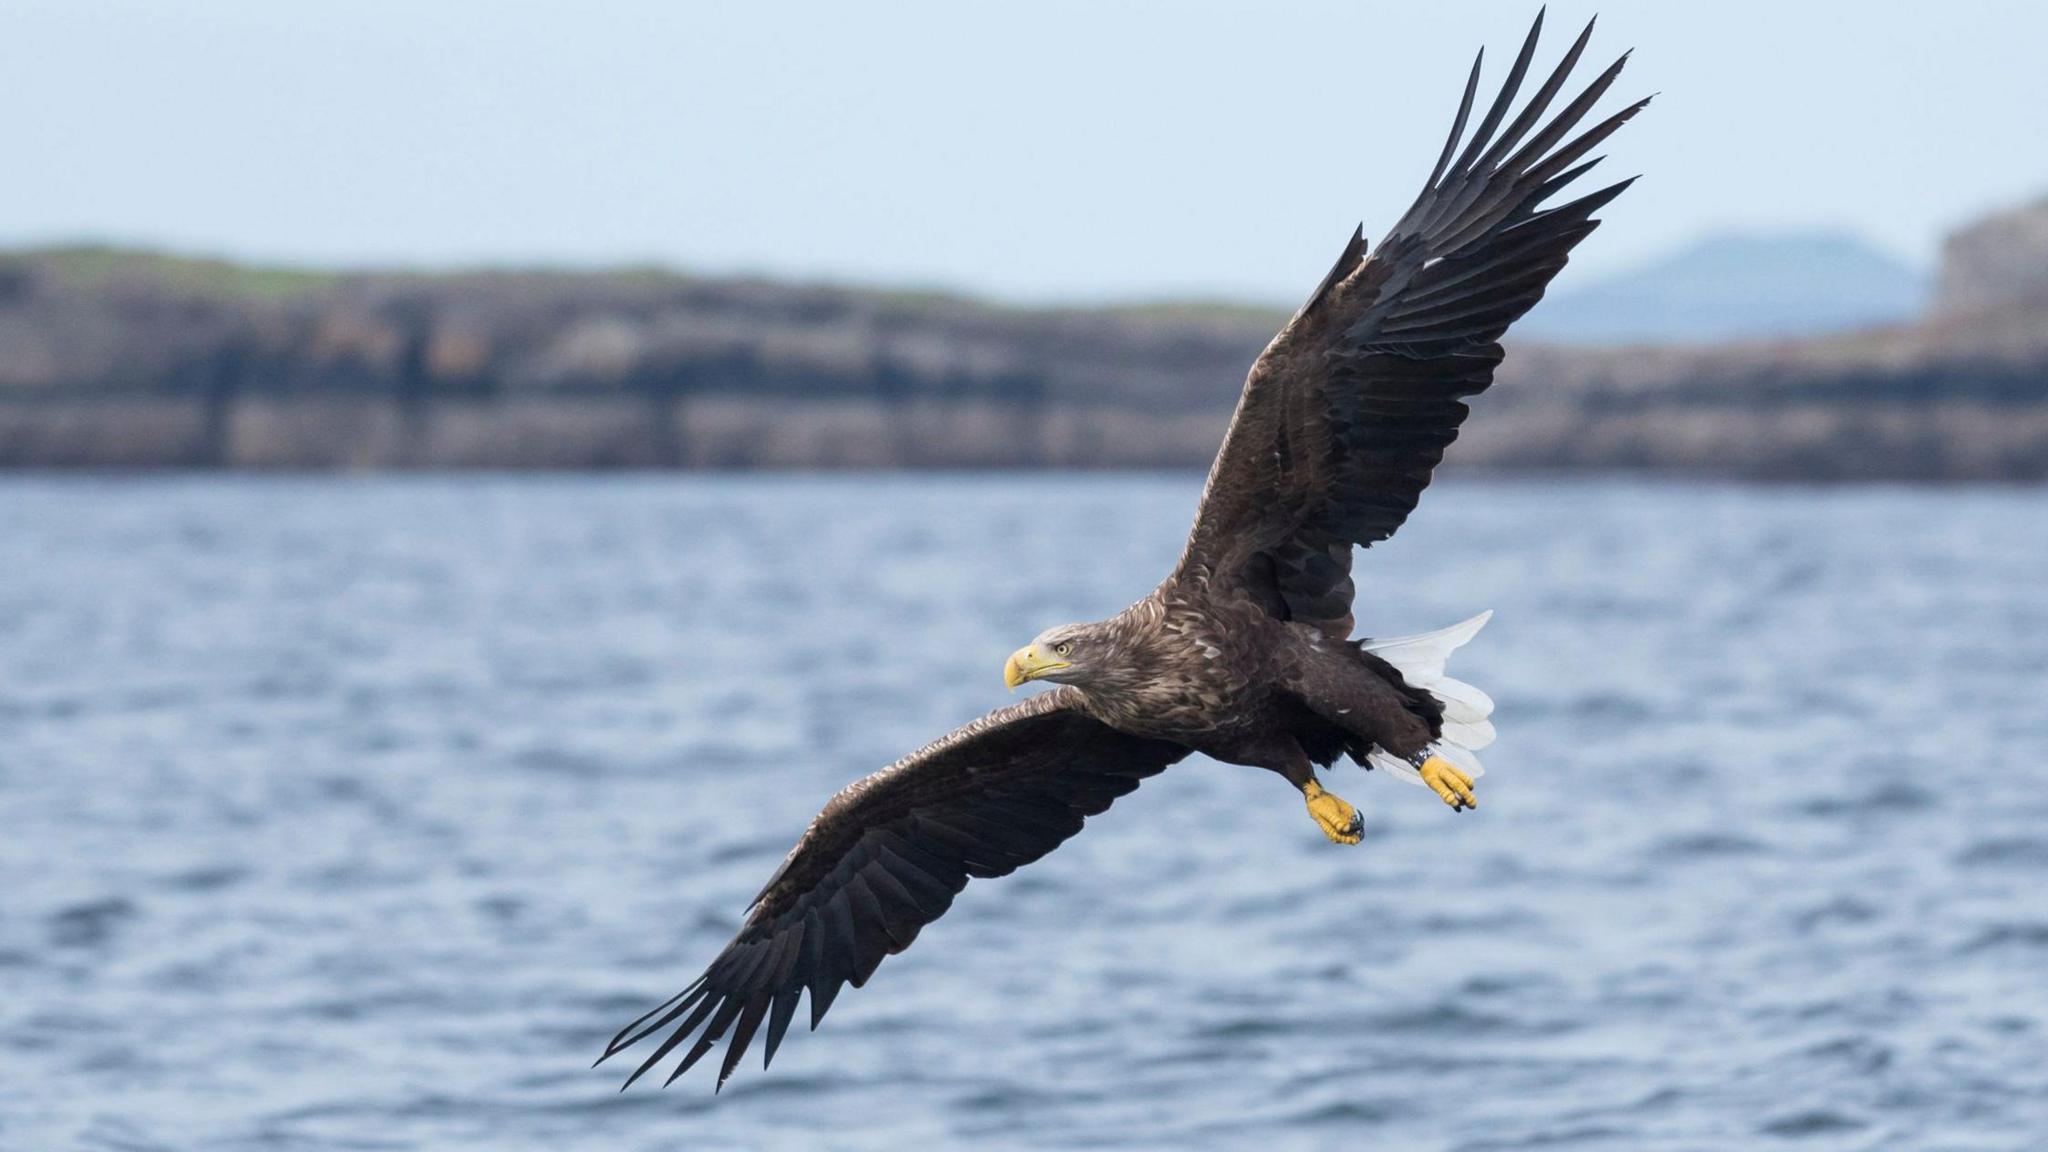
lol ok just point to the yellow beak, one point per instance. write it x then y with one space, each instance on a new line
1026 664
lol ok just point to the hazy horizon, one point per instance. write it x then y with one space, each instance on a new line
1081 153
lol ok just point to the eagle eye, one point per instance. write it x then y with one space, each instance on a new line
1063 648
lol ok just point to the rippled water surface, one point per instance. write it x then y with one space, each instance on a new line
358 814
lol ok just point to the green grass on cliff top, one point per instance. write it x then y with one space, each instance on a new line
90 266
94 265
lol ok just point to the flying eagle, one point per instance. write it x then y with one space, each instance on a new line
1244 652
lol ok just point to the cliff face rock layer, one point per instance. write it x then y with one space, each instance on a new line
1999 261
128 360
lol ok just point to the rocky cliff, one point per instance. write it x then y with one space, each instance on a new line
1999 262
112 359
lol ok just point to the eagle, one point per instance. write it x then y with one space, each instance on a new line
1244 652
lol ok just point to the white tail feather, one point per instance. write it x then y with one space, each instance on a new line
1461 700
1422 657
1420 660
1473 736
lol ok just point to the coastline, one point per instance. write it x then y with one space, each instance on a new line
113 359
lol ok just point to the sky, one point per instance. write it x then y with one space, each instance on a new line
1044 151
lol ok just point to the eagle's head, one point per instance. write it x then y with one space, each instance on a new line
1068 654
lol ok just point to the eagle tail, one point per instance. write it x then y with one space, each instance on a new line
1420 660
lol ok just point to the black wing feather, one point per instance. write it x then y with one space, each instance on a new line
1347 414
886 857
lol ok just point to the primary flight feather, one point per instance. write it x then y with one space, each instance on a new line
1243 653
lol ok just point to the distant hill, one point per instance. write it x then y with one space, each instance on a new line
1737 287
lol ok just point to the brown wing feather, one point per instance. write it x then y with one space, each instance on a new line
1347 413
886 857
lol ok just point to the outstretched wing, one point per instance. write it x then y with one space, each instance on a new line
1347 413
887 856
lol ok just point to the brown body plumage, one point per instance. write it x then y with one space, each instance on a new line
1204 666
1244 651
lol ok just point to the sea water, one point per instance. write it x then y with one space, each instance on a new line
358 813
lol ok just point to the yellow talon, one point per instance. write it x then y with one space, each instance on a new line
1338 820
1451 785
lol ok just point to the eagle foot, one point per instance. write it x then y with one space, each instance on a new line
1338 820
1450 784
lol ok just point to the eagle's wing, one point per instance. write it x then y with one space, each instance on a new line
887 856
1347 412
